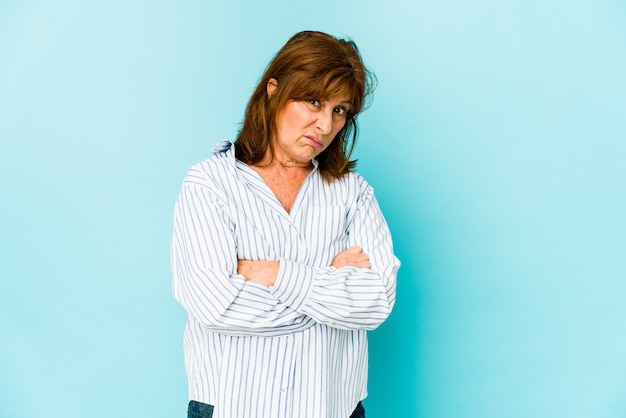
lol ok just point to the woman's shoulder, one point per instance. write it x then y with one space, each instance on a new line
353 181
347 190
215 168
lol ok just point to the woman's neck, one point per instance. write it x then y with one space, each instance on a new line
284 178
284 165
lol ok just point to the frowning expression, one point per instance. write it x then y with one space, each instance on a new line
305 128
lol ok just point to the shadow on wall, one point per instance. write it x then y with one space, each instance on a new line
394 351
395 346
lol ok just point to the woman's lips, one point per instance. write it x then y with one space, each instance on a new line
314 141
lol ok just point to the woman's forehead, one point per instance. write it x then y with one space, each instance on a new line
340 99
333 90
340 92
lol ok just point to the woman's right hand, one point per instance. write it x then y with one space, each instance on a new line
352 257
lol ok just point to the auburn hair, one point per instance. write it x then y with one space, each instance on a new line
311 65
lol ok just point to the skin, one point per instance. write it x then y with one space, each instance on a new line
265 272
305 128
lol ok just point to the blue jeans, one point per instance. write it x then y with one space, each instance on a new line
202 410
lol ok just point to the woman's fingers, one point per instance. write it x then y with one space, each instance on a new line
352 257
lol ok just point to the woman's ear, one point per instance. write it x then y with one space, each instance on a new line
272 85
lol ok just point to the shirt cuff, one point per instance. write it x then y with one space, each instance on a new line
293 283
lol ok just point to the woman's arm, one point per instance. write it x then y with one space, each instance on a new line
356 292
205 278
348 297
265 272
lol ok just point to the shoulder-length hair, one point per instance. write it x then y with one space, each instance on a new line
311 65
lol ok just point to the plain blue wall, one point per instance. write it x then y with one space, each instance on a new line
496 143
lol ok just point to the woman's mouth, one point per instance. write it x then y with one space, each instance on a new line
314 141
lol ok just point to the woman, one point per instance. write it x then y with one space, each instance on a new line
280 253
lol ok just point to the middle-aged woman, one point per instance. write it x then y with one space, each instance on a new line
280 254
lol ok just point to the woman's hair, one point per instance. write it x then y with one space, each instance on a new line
311 65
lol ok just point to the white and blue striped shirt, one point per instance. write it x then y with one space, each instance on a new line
299 348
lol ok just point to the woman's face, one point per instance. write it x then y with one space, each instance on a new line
305 128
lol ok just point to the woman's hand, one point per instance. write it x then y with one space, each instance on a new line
259 271
265 272
352 257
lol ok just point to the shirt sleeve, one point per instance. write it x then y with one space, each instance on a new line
347 298
204 271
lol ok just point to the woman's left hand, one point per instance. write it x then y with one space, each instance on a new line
259 271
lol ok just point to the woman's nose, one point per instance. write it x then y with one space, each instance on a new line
325 121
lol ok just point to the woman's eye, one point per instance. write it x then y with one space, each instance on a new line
314 102
341 111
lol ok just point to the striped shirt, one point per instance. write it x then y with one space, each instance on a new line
298 348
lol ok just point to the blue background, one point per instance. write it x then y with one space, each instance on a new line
496 144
